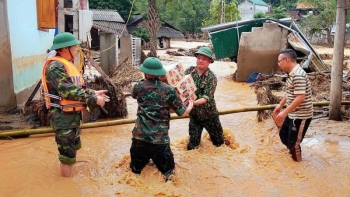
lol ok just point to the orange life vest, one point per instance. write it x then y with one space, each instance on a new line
77 79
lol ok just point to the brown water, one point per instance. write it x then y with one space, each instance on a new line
254 164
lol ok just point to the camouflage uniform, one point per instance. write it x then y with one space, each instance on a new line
150 134
206 115
66 124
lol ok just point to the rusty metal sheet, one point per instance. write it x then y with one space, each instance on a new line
316 64
298 44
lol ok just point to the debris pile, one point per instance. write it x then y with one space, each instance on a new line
263 91
125 75
189 52
270 91
117 104
329 56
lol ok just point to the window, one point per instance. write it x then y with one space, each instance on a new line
47 14
68 4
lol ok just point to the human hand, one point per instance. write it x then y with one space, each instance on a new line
277 109
281 116
190 105
101 100
102 93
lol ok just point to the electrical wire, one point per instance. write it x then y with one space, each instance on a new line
132 5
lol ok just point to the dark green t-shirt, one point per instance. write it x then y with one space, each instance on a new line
206 86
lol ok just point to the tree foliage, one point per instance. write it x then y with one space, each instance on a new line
278 13
323 19
231 13
187 16
121 6
259 15
142 33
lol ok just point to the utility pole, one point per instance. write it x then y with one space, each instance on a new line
338 58
222 18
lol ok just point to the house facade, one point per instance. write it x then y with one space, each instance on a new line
248 8
27 30
164 34
108 22
108 27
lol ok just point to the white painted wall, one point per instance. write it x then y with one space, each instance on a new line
247 9
28 44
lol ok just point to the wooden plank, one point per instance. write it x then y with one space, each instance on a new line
33 94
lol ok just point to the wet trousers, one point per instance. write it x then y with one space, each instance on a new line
162 156
68 142
212 125
292 134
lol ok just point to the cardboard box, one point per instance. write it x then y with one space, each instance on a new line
185 102
186 87
174 74
192 97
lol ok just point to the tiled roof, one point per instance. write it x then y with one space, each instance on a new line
110 27
106 15
259 2
304 6
135 18
132 28
109 21
169 32
166 30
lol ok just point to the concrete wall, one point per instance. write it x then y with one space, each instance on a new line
28 46
109 51
73 11
125 48
247 10
258 50
7 97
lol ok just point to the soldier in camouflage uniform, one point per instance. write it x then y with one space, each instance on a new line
60 88
150 138
204 113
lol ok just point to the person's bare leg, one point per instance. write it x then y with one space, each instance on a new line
66 170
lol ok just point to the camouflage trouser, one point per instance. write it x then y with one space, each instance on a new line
214 128
68 141
141 152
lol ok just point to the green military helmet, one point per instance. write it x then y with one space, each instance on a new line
205 51
64 39
153 66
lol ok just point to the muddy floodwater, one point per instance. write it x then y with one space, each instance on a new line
255 163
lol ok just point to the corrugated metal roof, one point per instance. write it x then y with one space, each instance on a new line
228 25
106 15
259 2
